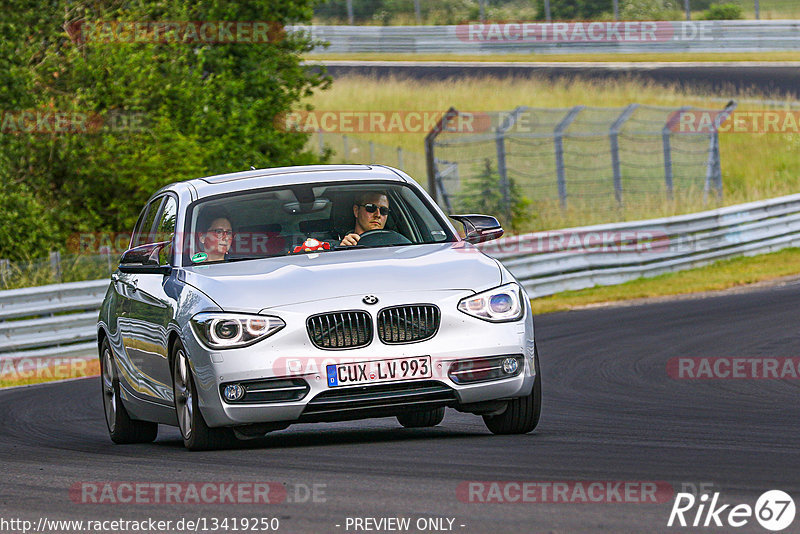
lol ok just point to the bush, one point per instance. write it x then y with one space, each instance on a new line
575 9
206 108
28 228
649 10
482 194
723 12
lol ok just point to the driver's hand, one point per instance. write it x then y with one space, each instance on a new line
350 240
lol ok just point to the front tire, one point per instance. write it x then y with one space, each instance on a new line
197 435
422 419
522 414
121 428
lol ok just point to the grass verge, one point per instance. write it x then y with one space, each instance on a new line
723 274
563 58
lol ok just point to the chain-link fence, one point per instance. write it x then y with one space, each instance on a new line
518 162
429 12
349 149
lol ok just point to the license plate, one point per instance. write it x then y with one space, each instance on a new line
349 374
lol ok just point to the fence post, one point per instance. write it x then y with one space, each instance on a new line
558 140
371 152
502 170
55 265
321 143
4 268
713 166
667 144
400 158
547 16
344 148
430 159
613 134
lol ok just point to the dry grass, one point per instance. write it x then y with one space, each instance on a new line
754 166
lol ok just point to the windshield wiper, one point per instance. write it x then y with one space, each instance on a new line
244 258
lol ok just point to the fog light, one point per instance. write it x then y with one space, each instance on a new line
510 366
233 392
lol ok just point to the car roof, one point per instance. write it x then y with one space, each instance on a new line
258 178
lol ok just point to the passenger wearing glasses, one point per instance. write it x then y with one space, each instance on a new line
370 210
217 236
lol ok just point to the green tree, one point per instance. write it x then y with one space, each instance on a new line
204 108
483 194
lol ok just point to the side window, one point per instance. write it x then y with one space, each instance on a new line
166 225
138 228
144 234
166 228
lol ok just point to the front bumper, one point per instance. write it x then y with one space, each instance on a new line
290 354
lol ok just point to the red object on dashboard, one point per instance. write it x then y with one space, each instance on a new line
311 245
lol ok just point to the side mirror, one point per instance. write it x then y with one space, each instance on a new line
479 228
147 259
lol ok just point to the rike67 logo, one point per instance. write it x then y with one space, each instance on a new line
774 510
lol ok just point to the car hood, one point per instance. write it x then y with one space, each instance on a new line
254 285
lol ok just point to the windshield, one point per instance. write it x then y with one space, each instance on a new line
301 219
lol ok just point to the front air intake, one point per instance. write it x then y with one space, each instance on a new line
340 330
408 324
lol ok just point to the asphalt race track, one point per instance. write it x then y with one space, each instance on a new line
611 414
725 78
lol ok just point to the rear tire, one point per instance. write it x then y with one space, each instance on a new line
522 414
422 419
121 428
197 435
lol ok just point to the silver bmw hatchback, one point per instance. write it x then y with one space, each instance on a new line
251 301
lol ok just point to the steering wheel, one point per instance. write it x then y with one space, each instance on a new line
373 238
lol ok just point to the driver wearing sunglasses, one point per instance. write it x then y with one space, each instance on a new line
370 210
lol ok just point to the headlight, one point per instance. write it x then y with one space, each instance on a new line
221 330
497 305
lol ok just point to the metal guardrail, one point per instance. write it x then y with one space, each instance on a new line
35 322
577 258
51 321
560 37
